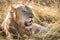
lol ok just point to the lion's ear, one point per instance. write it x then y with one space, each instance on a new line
12 8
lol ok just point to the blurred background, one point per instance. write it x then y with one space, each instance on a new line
46 13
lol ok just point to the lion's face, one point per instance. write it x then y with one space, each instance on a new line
24 16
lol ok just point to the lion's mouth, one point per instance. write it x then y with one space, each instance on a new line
28 23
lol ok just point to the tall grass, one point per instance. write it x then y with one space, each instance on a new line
46 13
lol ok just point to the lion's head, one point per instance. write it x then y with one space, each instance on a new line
23 16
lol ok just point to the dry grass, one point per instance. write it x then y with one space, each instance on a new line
48 16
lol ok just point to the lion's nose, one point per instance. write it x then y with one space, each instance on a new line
30 16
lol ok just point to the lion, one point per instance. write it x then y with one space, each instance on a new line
21 17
